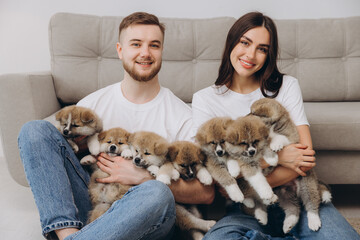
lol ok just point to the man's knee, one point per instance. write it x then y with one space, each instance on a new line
159 194
33 130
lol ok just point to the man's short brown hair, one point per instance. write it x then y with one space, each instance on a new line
141 18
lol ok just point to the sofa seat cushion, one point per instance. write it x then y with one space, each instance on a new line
334 125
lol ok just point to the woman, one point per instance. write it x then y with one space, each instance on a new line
248 72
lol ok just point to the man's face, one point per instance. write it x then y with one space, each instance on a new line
140 49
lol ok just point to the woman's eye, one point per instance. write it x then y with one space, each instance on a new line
263 50
244 43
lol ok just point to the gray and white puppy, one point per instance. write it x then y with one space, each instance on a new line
308 189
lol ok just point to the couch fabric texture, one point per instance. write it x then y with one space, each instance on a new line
323 54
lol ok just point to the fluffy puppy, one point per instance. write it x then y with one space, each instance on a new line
308 189
211 138
188 160
149 150
74 121
247 141
114 142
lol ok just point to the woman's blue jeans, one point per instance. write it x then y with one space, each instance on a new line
60 188
237 225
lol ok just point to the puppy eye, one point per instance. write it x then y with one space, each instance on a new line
183 165
120 143
255 142
212 142
222 141
146 153
108 141
243 143
136 151
75 125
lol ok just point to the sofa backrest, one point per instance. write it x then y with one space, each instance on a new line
324 54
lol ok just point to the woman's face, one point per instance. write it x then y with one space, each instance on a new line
249 55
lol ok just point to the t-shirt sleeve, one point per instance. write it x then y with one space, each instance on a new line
293 102
200 111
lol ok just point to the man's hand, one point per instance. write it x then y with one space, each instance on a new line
121 171
297 157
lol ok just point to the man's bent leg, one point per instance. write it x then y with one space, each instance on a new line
56 178
146 211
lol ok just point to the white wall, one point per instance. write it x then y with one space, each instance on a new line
24 24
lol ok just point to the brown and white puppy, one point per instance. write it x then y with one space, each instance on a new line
211 138
149 150
308 189
74 121
114 142
247 141
188 160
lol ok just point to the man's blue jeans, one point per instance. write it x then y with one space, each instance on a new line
59 185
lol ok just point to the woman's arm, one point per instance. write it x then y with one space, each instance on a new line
294 159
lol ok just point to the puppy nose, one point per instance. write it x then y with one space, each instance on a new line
220 153
137 160
112 148
251 152
66 132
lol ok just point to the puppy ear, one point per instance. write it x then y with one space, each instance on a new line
102 136
161 149
202 156
264 131
200 137
87 117
172 153
59 115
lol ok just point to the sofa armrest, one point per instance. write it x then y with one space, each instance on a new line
23 97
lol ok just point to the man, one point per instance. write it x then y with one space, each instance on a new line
138 102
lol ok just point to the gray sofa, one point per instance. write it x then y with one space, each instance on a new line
324 54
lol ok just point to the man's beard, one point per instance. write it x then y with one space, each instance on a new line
138 77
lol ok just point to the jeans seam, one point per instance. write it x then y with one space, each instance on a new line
54 226
154 227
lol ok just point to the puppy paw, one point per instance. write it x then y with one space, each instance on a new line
127 154
234 193
249 202
164 179
261 216
88 160
154 170
314 221
175 175
233 168
326 197
278 142
204 176
269 201
271 160
290 222
210 224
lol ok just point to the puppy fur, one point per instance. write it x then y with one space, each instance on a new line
308 189
114 142
188 160
247 141
149 150
74 121
211 138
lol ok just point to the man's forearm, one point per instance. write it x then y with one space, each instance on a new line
192 192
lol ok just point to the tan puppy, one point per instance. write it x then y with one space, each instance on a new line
188 160
211 138
247 141
74 121
307 190
114 142
149 150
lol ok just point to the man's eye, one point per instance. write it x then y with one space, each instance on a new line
155 46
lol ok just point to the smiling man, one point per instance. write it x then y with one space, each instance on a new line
138 102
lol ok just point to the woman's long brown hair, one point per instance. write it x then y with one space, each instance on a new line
269 77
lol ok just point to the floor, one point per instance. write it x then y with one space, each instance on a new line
19 218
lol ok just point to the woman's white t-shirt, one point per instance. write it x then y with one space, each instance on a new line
220 102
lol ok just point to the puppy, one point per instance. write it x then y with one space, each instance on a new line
114 142
247 141
188 160
149 150
307 190
74 121
211 138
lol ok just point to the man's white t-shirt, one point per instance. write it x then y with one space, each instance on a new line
220 102
165 115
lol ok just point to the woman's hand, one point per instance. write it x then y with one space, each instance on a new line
121 171
297 157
